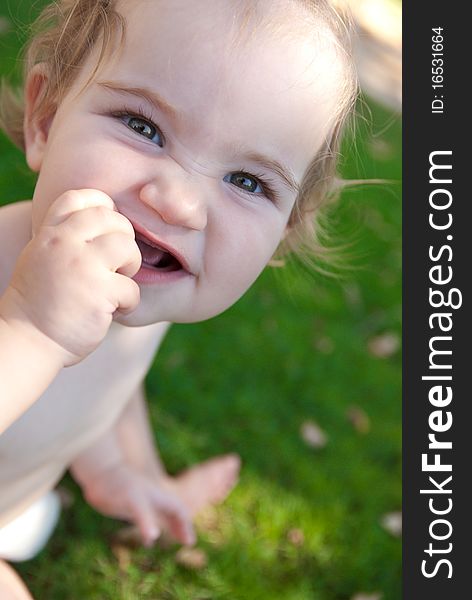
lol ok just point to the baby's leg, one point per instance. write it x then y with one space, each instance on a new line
122 476
202 485
11 586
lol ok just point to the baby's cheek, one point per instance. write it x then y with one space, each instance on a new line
248 265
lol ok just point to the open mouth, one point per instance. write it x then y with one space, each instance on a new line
155 257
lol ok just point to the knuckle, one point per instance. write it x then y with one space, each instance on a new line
50 239
72 194
67 200
73 197
103 196
101 212
53 244
54 241
125 224
100 197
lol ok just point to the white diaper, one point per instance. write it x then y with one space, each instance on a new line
25 536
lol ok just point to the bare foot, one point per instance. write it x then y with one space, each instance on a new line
207 483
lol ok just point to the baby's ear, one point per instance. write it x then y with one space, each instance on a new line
36 124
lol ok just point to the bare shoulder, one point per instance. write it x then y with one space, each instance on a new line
15 233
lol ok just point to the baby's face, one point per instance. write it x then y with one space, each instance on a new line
200 139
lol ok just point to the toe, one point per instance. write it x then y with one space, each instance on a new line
233 462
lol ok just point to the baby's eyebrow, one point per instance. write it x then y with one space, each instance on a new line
144 93
273 165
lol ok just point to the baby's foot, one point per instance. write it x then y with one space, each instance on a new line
167 506
207 483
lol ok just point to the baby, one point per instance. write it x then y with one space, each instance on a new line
179 145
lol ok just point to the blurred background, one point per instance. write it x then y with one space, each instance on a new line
309 395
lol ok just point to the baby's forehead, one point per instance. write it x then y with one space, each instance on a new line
223 83
236 21
231 34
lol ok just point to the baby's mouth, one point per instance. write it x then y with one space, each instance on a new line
155 257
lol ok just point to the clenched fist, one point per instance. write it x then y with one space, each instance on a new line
75 273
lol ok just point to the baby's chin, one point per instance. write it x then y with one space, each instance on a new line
139 318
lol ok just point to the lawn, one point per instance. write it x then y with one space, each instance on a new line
300 350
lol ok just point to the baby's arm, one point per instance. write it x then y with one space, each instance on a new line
29 362
67 284
122 477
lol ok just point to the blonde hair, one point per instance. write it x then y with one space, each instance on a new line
66 31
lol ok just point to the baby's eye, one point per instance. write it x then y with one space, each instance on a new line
245 182
145 128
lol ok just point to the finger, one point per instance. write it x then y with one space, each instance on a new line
93 221
119 252
74 200
126 294
143 516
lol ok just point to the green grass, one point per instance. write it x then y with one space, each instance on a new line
295 348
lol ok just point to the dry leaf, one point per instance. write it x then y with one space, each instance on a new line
392 522
359 419
296 537
385 345
313 435
192 558
122 555
362 596
325 345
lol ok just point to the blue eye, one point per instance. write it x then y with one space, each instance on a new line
144 128
245 182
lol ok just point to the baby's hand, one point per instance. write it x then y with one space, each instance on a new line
74 274
124 493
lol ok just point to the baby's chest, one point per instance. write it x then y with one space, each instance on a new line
85 400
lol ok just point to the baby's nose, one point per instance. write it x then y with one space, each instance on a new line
176 203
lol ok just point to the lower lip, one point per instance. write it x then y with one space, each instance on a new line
148 275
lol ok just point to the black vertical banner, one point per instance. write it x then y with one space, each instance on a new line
437 265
